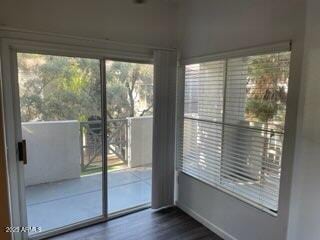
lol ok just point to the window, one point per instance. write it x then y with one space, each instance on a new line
234 116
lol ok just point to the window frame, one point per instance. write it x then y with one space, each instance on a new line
285 46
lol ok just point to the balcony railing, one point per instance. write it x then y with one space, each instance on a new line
91 142
68 149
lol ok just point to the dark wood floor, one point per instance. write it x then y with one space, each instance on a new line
166 224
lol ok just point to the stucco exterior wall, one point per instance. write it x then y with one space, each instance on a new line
53 151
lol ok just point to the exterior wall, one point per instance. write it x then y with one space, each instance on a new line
208 27
140 131
53 150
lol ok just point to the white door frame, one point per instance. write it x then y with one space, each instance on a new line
63 46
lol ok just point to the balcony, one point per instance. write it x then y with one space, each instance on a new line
64 174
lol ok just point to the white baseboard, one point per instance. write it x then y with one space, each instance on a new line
221 233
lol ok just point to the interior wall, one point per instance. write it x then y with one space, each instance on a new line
152 23
149 24
210 26
4 203
305 200
214 26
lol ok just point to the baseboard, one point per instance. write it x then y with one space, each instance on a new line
221 233
162 208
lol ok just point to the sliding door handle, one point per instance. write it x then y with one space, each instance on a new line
22 149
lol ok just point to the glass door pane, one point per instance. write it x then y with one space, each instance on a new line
60 105
129 134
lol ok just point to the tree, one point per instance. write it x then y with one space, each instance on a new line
58 88
266 97
129 89
267 89
64 88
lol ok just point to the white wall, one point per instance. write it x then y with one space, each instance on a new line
305 200
120 20
53 150
140 141
213 26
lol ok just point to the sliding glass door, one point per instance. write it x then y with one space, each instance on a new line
129 111
87 127
60 110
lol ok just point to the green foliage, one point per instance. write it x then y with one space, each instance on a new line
129 89
266 88
58 88
64 88
261 110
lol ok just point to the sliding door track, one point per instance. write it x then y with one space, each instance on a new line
88 223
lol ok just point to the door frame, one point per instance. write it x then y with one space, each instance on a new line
10 97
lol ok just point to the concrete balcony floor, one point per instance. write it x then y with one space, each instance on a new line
57 204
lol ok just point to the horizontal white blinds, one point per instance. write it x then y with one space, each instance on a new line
257 89
234 124
204 86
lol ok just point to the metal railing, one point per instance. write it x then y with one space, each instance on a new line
91 142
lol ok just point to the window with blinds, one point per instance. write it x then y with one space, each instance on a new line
233 126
